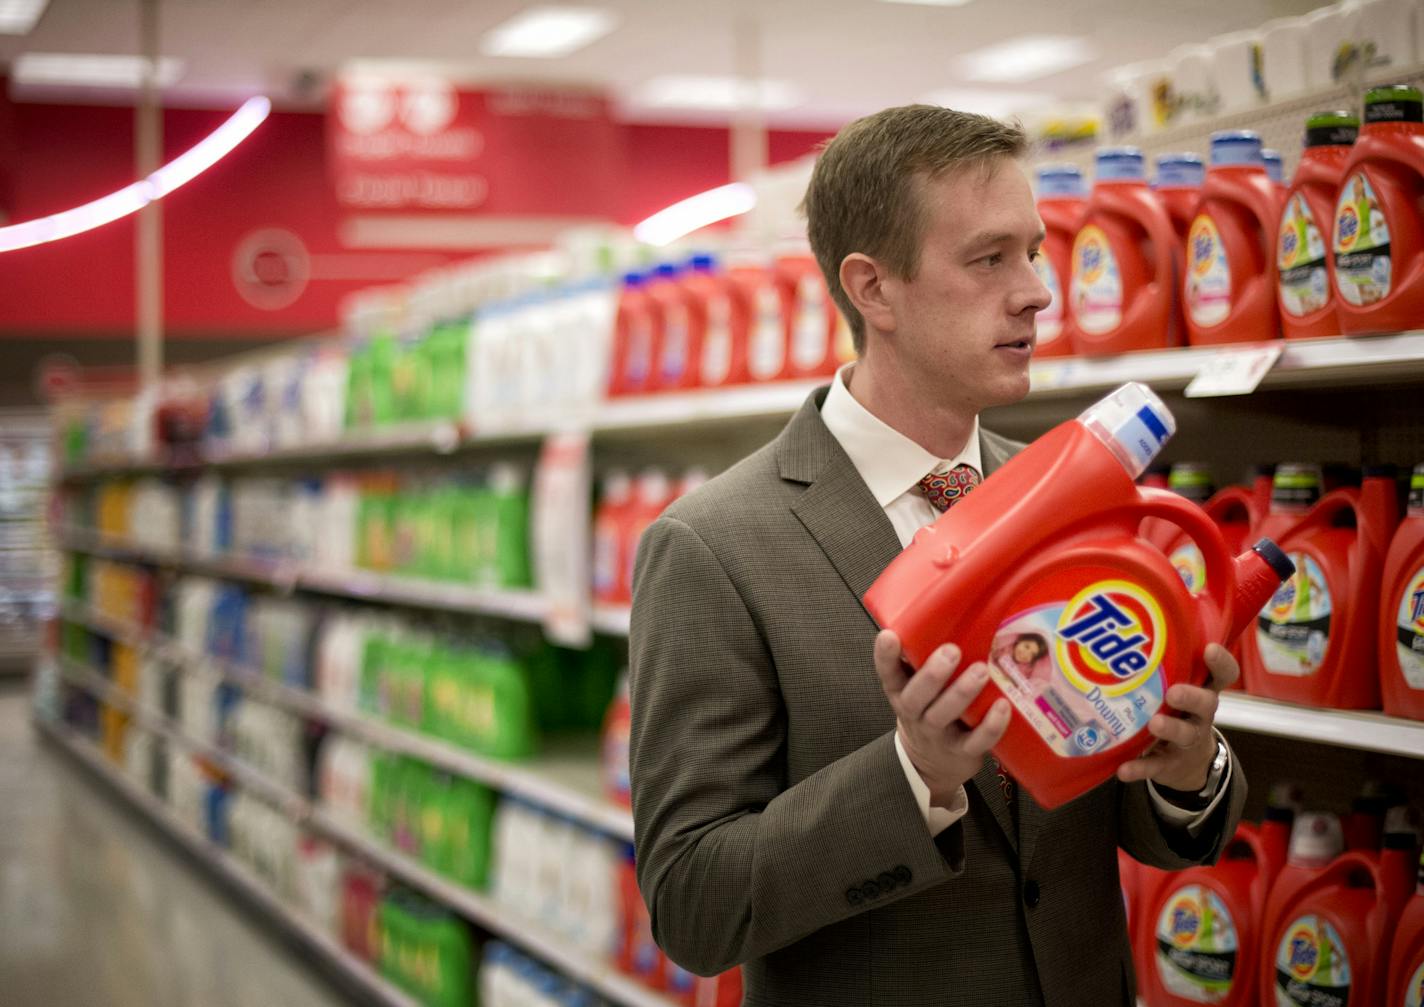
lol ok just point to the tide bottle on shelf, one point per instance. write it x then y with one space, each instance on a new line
1378 240
1406 977
1061 197
684 323
768 336
666 303
726 296
1315 640
1275 166
810 317
1121 290
1076 604
610 539
633 339
617 726
1179 181
1401 622
1303 259
1230 288
1190 481
1364 825
1140 885
1204 927
651 494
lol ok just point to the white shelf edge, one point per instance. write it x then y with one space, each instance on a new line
611 620
511 778
224 865
1358 729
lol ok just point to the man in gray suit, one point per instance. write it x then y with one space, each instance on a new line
804 806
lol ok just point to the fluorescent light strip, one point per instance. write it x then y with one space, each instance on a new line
548 32
696 212
132 198
722 94
19 17
1027 57
60 69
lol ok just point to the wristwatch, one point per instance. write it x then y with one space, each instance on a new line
1189 800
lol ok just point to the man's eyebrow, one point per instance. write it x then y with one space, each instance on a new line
986 238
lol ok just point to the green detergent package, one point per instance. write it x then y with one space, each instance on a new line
596 674
484 509
441 693
442 968
444 563
512 735
379 795
447 349
469 822
465 521
553 706
360 391
410 781
435 810
374 660
510 509
382 354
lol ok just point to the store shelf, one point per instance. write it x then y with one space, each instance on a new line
1357 729
658 412
354 972
565 778
611 620
480 909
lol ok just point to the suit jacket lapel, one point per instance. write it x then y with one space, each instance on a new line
986 781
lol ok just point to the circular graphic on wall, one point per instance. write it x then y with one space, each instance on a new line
271 268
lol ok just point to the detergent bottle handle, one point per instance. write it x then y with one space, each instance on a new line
1201 529
1343 499
1354 860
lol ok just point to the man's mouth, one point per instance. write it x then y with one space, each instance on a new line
1024 345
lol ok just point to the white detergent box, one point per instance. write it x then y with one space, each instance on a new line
1193 94
1283 57
1239 70
1386 33
1330 48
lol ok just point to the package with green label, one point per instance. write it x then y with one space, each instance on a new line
511 733
469 819
510 506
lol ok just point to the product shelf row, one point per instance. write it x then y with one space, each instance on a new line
1321 362
353 972
479 909
564 779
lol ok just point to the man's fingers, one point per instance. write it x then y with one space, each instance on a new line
1196 701
1223 667
1145 768
926 684
989 732
949 705
1176 731
892 671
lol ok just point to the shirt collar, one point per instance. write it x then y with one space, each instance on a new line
889 462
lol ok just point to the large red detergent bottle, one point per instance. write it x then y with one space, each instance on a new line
611 537
768 335
1401 622
1329 930
1178 182
1041 574
632 364
1062 195
1315 640
1275 166
1204 927
1379 223
684 325
727 299
1121 292
1229 291
1303 259
811 318
1140 885
1406 977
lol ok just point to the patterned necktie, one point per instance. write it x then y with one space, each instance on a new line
943 492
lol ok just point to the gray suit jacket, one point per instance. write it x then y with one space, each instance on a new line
775 827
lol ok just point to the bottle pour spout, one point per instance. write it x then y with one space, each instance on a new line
1259 571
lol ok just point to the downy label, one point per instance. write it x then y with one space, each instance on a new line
1208 273
1362 257
1096 282
767 352
1086 674
1049 321
1409 645
808 338
1300 256
1190 565
1312 966
1293 630
675 343
717 343
1197 946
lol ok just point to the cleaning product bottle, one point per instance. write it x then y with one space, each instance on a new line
651 496
768 356
1140 886
672 350
1316 840
1364 825
1178 182
1406 982
1315 640
1379 225
679 364
1303 259
727 295
617 726
810 316
1124 274
1230 286
1110 624
633 339
1189 480
1061 197
1401 622
509 489
610 537
1275 166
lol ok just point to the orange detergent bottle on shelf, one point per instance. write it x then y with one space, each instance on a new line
1315 640
652 493
611 522
1178 182
1275 166
727 300
1230 288
1140 885
1204 927
1401 622
1190 481
1406 982
684 323
1303 259
1121 292
632 363
768 337
1379 223
1061 197
1048 550
810 315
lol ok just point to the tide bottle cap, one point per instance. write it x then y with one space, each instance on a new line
1061 180
702 263
634 279
1275 165
1394 103
1180 171
1235 147
1192 480
1338 128
1316 839
1120 164
1133 423
1296 484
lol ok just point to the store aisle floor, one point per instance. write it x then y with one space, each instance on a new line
97 910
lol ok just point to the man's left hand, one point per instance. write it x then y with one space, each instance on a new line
1186 745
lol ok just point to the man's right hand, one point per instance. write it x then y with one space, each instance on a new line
945 753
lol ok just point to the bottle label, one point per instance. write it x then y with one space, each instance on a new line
1096 284
1363 268
1409 645
1300 256
1087 674
767 352
1190 565
1414 988
1293 630
1197 946
640 351
1050 320
808 338
605 560
675 340
1312 966
1208 273
717 343
615 758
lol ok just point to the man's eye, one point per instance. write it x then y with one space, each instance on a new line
1034 255
993 260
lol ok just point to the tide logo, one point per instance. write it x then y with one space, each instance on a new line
1184 920
1111 638
1290 241
1282 604
1090 255
1416 603
1202 243
1347 228
1304 952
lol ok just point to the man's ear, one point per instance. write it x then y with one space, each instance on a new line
862 278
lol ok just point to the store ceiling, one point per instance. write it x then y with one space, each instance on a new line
843 57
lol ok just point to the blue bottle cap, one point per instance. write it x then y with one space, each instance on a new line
1234 147
666 271
702 263
1275 166
1180 171
1061 180
633 279
1115 164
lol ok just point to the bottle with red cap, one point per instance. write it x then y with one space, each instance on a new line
1406 982
684 325
1061 197
810 317
611 522
1303 259
633 339
1401 618
727 297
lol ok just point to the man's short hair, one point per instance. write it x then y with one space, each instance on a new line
864 191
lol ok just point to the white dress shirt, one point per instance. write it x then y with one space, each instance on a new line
892 466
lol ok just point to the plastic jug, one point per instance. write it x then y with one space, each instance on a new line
1303 259
728 298
1379 225
1275 167
1178 182
634 339
651 495
1315 641
1364 825
1205 925
1406 983
1042 558
1140 886
1230 286
617 727
810 315
768 356
1121 293
1061 197
1401 622
684 320
610 538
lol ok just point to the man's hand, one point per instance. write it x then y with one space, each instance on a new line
945 754
1185 747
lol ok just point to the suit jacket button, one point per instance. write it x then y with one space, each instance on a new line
853 896
902 874
1031 894
870 890
888 882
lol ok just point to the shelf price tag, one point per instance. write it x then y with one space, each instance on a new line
563 488
1234 371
